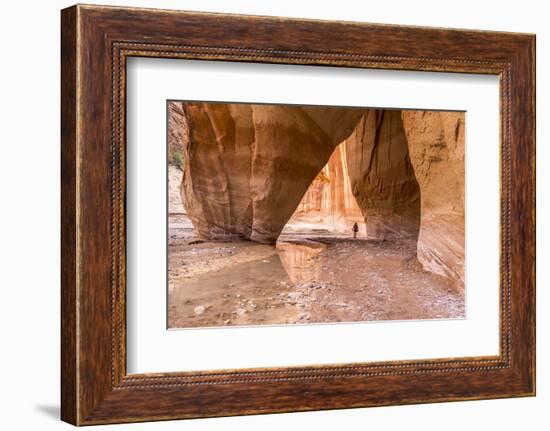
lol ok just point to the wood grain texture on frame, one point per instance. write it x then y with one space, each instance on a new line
95 42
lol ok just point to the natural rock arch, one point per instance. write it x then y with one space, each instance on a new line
246 167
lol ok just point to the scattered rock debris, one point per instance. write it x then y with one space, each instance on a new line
303 281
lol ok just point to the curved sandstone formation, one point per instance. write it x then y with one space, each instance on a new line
264 158
436 146
216 189
382 177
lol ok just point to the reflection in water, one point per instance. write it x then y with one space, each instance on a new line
238 292
296 258
255 291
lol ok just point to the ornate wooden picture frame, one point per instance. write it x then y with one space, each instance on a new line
96 41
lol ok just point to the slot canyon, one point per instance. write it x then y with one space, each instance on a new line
263 200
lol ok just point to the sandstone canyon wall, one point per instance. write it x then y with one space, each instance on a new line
436 147
382 177
178 134
329 202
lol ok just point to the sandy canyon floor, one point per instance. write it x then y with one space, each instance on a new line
306 278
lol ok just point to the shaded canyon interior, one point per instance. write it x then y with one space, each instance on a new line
246 177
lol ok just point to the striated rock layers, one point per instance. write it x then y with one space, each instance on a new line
436 147
382 177
329 201
178 133
175 177
246 167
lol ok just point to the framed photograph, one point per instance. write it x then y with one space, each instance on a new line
265 215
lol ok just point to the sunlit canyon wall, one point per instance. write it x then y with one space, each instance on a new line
329 203
436 147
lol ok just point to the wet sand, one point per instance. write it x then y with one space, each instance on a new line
305 278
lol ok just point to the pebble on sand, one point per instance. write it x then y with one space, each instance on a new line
240 312
199 309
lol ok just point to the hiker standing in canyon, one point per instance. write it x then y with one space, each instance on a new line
355 229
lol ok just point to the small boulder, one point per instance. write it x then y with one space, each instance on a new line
199 310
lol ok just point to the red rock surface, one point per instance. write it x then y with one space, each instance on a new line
382 177
329 201
436 147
